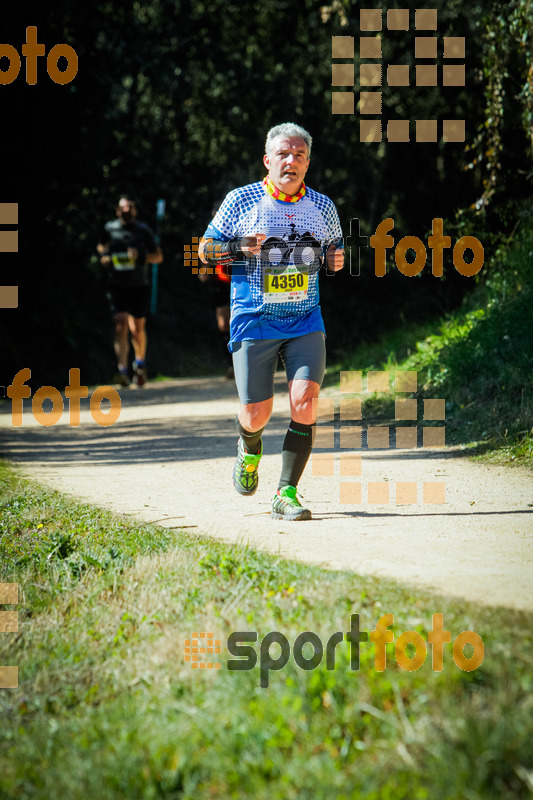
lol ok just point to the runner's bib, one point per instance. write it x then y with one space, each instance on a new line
122 262
285 284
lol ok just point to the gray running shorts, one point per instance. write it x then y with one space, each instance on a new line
255 361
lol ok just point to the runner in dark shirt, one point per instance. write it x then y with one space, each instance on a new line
126 248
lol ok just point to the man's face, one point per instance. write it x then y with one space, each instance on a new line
126 210
287 163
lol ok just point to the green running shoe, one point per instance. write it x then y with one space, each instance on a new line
245 477
285 505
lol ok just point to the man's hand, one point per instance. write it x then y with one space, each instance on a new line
334 258
251 245
133 253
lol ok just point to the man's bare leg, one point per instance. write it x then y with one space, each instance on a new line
121 342
138 336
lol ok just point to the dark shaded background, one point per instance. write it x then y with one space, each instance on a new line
173 100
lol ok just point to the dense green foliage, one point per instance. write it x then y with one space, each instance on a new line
173 100
479 358
107 708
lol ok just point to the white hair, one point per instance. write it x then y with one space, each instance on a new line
288 129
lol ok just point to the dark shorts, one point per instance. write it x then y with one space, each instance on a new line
134 300
255 361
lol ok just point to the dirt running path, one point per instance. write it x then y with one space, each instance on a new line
169 459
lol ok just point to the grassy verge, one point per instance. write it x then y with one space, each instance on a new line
480 359
108 708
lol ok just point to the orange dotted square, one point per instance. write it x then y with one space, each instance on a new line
434 409
9 677
350 492
9 593
377 438
370 75
370 103
351 381
426 130
398 130
342 46
434 437
426 75
378 492
350 464
406 493
405 408
453 130
398 19
370 131
405 381
342 102
350 408
324 436
324 409
453 75
378 382
9 621
322 465
454 47
370 47
426 19
342 74
370 19
406 438
425 47
434 492
398 75
350 437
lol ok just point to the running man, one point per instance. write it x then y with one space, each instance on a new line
276 233
126 248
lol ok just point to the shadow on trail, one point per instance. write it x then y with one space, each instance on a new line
195 436
396 514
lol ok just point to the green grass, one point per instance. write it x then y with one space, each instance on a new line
479 358
107 707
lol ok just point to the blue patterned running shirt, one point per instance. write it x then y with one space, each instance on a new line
275 295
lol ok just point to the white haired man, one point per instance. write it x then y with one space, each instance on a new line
276 233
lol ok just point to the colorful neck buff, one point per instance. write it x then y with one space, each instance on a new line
277 194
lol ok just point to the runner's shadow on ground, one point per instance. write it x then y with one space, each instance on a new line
162 440
396 514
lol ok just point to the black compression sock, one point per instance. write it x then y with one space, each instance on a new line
252 441
295 454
